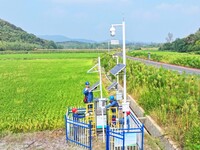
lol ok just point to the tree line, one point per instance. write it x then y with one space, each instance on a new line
102 45
190 43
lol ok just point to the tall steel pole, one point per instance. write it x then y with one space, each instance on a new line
124 62
101 93
117 75
112 31
108 46
100 77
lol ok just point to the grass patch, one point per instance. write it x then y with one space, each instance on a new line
182 59
50 56
35 93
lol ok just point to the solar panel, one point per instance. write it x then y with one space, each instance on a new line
117 69
94 86
112 85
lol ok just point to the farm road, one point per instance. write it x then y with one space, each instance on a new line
180 69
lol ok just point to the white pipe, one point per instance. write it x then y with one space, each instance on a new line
108 46
124 62
103 125
100 84
117 75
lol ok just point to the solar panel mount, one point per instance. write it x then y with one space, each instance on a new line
112 85
94 86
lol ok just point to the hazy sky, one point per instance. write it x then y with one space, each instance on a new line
146 20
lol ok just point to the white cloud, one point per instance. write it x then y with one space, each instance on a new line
144 15
81 15
56 13
79 1
185 9
165 6
192 10
88 1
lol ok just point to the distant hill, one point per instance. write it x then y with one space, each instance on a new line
190 43
61 38
55 38
83 40
14 38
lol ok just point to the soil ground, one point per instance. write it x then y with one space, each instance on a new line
54 140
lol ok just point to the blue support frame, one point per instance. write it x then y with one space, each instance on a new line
123 140
107 137
142 137
120 134
72 127
90 132
66 128
75 126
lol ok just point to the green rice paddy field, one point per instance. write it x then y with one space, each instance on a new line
36 89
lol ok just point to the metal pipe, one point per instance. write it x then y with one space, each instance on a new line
124 62
101 93
117 75
108 46
100 82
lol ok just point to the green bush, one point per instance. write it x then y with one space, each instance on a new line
173 99
192 139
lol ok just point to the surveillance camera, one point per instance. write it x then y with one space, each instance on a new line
112 31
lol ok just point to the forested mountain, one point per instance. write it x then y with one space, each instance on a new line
14 38
190 43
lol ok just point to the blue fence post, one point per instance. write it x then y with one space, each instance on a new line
90 135
66 127
123 140
74 130
142 137
107 137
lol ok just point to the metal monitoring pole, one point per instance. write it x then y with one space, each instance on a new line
124 62
101 93
99 83
108 46
117 75
99 68
112 32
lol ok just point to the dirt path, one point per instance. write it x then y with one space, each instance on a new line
52 140
47 140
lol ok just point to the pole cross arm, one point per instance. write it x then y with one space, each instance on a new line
116 25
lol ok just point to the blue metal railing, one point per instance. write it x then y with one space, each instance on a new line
79 133
119 138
